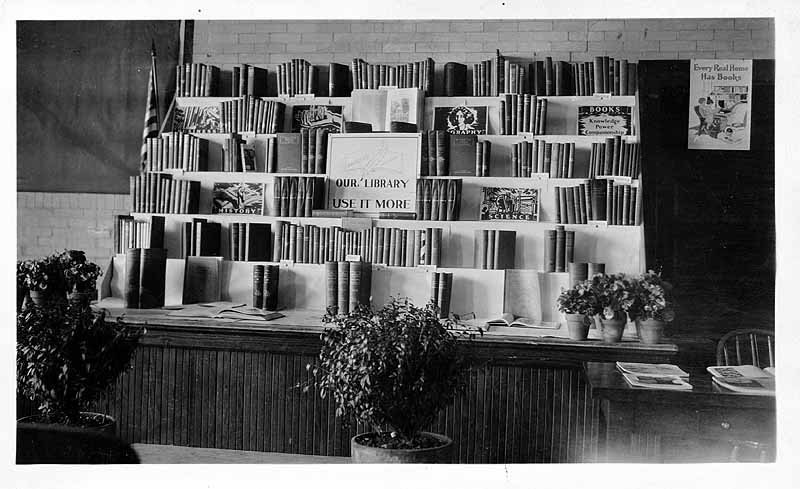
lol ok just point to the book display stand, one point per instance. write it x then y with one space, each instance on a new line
520 209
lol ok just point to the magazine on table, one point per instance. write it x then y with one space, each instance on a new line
656 382
744 379
662 370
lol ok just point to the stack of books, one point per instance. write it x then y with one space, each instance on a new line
435 149
439 200
523 113
248 80
573 204
159 193
654 376
176 151
744 379
348 285
297 196
265 286
196 80
615 157
129 233
251 114
297 77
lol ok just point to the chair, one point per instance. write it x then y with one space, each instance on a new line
748 347
43 444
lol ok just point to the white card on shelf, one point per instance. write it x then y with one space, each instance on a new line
352 258
286 263
598 224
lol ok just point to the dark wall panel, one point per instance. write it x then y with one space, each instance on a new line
81 94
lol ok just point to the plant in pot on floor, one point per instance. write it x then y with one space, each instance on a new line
651 307
579 304
395 367
614 296
68 357
80 275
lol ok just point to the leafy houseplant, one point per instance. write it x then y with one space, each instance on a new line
397 366
614 295
579 303
67 358
41 278
651 307
79 274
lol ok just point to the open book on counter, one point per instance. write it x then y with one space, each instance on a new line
223 310
744 379
654 375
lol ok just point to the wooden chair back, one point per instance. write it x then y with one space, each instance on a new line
747 347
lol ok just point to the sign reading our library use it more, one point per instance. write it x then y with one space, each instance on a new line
373 173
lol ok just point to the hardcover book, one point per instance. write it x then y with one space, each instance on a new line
238 198
460 120
317 117
289 148
505 203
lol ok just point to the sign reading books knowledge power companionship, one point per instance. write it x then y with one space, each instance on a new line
372 173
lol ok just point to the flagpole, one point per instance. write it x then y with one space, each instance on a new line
154 74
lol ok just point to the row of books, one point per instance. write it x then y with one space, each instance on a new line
250 114
494 249
348 284
201 237
160 193
237 155
537 156
145 274
176 151
441 292
314 244
297 196
574 203
417 74
297 77
580 271
547 77
522 113
434 154
439 200
196 80
265 286
559 249
597 200
130 233
248 80
483 158
615 157
303 152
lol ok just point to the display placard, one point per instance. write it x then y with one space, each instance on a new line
604 120
370 173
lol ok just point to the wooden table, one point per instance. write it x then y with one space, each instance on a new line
651 425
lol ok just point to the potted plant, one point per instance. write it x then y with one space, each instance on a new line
68 356
394 367
651 308
579 304
42 279
614 298
80 275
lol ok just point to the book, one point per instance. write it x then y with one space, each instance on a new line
224 310
270 284
289 153
455 79
145 275
403 105
317 116
505 203
461 119
651 369
238 198
338 80
509 320
744 379
651 382
201 279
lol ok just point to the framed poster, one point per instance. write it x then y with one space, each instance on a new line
720 93
372 173
604 120
196 118
238 198
507 203
460 120
317 117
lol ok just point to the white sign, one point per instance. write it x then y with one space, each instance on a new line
372 173
720 102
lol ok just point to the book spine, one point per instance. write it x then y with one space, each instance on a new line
132 268
569 248
578 272
445 289
271 287
258 286
354 287
343 287
152 275
560 248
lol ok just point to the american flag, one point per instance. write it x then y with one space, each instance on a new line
151 113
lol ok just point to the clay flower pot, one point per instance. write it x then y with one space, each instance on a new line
363 454
578 326
650 330
613 329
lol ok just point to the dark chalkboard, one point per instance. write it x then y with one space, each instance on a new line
81 93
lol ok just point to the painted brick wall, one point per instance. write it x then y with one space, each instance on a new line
48 222
267 42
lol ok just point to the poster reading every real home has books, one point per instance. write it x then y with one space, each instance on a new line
238 198
604 120
505 203
460 120
720 100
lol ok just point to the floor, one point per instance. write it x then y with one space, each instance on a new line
169 454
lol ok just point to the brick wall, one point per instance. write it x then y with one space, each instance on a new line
48 222
268 42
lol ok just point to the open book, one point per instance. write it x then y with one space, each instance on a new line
653 382
508 320
224 310
745 379
664 370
